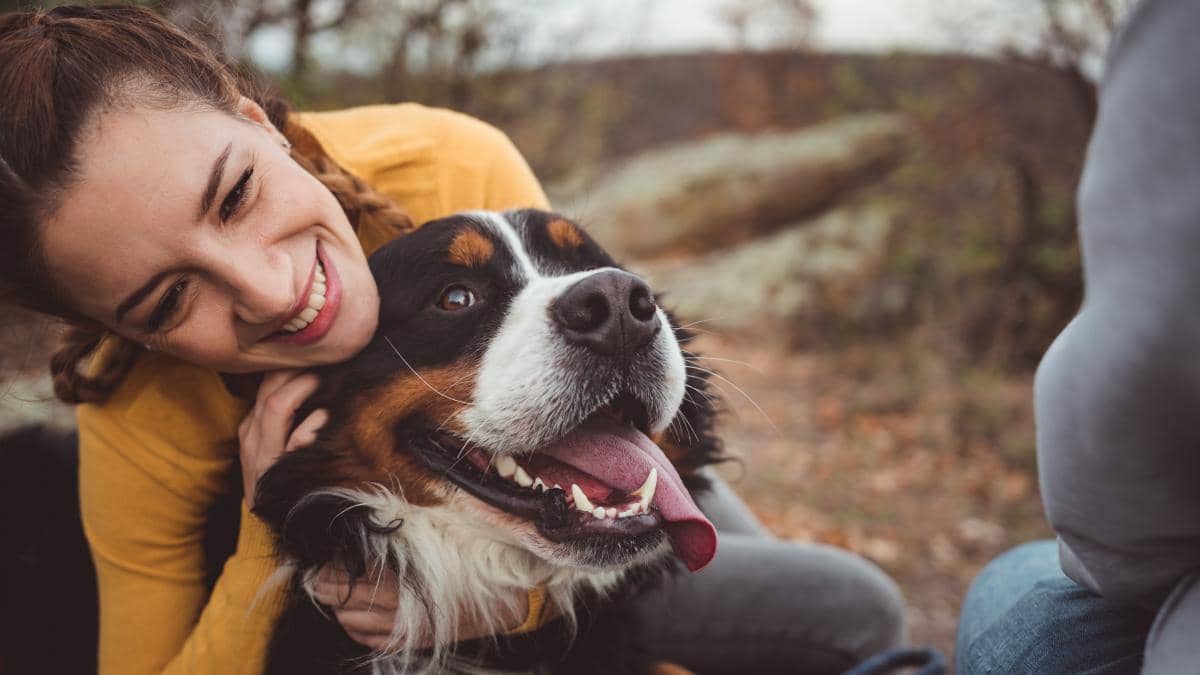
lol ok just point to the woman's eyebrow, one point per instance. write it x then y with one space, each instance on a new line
214 182
137 296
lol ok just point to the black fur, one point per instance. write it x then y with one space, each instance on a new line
313 532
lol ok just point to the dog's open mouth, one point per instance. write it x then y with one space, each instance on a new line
606 479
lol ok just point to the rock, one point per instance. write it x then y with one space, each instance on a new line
729 188
771 281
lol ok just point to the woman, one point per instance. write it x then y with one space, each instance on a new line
170 215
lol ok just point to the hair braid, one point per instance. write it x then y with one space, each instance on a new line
77 345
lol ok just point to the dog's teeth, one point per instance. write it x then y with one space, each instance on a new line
522 478
538 484
599 512
628 512
581 500
612 512
559 487
646 492
506 466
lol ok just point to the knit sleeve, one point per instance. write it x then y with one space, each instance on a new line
1117 394
152 464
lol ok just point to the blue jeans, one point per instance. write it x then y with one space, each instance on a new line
1022 615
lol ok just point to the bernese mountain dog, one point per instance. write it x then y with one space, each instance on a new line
524 417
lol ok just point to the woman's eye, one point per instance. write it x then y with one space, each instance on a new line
167 306
237 196
456 297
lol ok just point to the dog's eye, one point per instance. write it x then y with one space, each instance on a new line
456 297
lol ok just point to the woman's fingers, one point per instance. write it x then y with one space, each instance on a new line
266 432
276 410
363 595
307 431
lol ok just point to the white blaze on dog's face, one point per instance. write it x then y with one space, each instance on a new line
520 378
519 419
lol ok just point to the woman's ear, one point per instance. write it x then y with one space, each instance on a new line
253 112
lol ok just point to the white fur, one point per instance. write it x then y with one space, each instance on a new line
522 400
454 565
465 559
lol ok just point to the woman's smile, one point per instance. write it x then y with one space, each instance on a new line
316 305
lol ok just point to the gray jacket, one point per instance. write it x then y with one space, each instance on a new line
1118 394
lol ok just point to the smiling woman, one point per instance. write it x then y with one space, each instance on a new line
151 197
213 256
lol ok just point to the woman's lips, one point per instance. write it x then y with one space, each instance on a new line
320 324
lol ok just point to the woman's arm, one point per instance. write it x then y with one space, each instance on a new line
153 460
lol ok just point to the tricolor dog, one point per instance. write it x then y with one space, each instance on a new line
524 417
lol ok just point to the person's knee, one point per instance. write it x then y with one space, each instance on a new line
883 609
1022 615
869 608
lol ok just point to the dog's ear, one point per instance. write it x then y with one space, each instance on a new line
691 441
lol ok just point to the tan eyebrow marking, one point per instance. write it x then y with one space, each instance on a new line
564 234
471 249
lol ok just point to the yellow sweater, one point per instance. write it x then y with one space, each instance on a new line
157 455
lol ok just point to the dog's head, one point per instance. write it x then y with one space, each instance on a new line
522 381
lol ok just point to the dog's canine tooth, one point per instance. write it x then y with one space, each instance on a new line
522 477
646 492
506 466
581 500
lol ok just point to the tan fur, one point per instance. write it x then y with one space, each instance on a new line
471 249
564 234
376 413
667 668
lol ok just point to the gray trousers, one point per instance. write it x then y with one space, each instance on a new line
767 606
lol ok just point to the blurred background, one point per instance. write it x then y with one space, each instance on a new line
864 207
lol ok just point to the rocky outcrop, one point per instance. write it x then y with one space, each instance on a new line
772 281
730 188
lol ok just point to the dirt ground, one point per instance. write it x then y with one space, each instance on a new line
888 452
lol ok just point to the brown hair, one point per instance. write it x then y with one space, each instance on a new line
57 68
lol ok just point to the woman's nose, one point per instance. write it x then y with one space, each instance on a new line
263 290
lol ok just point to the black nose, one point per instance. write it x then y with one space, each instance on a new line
609 312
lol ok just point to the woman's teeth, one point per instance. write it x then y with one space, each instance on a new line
316 300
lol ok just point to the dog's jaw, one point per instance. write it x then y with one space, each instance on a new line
465 560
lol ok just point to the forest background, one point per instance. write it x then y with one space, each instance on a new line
866 209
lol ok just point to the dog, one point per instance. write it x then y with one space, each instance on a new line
525 416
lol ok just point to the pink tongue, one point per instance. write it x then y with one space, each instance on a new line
622 457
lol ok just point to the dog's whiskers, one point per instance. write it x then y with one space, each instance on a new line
423 380
697 323
740 363
691 430
739 390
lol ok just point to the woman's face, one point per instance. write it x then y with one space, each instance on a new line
194 232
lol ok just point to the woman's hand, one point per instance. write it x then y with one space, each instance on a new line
263 435
367 610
